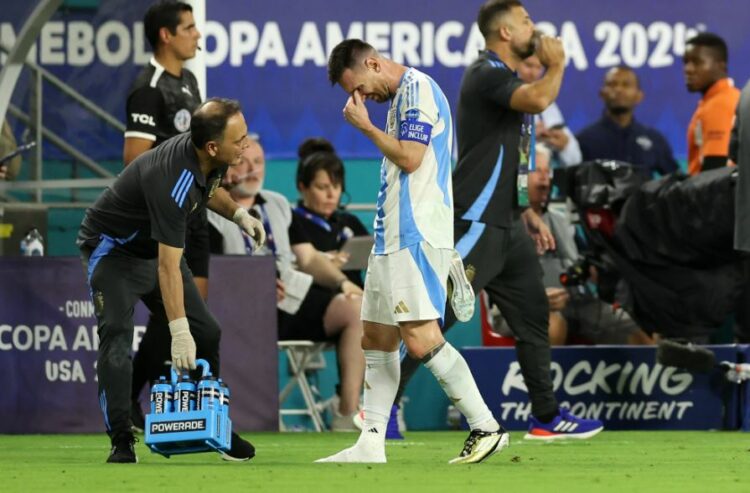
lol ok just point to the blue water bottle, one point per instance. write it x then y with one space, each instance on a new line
209 394
161 396
224 397
184 394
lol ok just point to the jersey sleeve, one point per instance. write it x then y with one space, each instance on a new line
418 112
297 232
144 108
497 83
168 206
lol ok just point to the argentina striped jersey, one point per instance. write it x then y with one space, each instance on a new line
418 206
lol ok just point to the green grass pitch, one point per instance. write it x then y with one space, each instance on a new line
612 461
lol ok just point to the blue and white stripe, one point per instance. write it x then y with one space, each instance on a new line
181 188
417 206
105 409
480 204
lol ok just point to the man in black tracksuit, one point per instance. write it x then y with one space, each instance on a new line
159 106
132 242
495 230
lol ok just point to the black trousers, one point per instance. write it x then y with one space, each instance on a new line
154 357
117 283
507 268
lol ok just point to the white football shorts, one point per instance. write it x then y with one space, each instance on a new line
407 285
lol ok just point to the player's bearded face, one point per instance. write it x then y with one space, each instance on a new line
370 82
375 88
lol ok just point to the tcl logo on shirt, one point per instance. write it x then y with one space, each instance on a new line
143 119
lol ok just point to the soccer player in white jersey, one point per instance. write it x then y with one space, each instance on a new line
405 287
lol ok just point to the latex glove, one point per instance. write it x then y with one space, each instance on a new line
183 344
251 226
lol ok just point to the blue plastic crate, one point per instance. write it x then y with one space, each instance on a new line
187 432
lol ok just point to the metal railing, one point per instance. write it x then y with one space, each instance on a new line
33 120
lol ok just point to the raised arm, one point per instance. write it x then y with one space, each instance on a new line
536 96
406 154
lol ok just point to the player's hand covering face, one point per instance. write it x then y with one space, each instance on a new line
355 111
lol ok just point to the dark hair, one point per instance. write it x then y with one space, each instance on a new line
345 55
712 41
318 154
163 14
210 119
491 10
625 68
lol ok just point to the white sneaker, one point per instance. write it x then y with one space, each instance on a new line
460 292
481 445
365 451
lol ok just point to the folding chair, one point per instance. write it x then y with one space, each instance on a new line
304 356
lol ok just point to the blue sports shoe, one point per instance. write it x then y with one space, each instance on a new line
564 426
392 432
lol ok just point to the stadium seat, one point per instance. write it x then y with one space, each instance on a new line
489 336
304 357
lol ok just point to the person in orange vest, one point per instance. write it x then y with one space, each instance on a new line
705 68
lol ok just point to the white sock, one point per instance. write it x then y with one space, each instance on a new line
453 375
382 374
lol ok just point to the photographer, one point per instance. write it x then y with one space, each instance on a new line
574 309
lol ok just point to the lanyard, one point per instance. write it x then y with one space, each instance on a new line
317 220
270 243
343 234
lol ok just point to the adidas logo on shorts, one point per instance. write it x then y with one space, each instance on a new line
401 308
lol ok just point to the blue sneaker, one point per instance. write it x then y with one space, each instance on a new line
564 426
392 432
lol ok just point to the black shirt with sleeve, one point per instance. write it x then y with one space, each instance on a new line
151 200
160 104
489 137
636 144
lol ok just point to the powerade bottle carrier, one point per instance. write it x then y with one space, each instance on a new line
186 417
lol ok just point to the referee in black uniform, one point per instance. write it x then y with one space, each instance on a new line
496 233
159 105
132 241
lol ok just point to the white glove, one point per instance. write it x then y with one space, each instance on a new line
183 344
251 226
